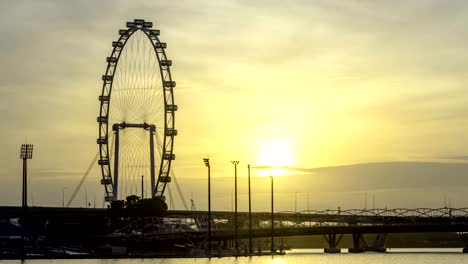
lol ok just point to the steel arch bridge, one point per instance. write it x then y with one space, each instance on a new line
331 224
339 217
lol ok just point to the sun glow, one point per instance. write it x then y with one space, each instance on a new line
275 155
277 261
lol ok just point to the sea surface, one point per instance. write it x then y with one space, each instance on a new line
302 256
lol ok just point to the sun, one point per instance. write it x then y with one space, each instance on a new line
275 153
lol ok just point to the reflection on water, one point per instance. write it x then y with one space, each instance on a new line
277 261
297 256
425 250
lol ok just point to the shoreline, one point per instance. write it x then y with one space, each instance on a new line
127 256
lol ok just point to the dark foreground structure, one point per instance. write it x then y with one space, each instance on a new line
45 232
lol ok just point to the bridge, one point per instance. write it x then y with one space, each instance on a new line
333 224
182 226
396 215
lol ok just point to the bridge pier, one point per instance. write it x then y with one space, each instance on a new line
379 243
332 241
464 238
359 244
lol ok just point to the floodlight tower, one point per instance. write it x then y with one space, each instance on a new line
26 153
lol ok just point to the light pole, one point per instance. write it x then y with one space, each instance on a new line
272 218
235 162
26 153
295 202
250 215
207 163
142 186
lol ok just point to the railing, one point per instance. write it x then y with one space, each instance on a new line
179 222
395 212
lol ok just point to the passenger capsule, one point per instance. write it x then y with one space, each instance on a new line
123 32
139 22
106 181
169 84
147 24
154 32
168 156
130 24
165 179
102 119
104 98
171 132
171 108
102 141
103 162
107 78
160 45
117 44
111 59
166 63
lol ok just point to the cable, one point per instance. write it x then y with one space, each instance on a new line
85 175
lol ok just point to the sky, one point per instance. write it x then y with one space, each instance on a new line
363 101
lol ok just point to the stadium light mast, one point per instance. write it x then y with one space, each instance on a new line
26 153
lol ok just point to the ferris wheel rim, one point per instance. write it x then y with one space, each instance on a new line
169 108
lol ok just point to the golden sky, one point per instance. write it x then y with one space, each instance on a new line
324 83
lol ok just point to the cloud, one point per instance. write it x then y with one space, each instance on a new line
456 158
374 176
388 175
366 80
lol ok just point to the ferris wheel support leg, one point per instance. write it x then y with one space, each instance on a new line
153 180
116 163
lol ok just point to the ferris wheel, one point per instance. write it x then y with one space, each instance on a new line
136 116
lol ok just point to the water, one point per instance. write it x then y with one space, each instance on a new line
303 256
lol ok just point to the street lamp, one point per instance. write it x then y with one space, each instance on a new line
207 163
250 215
272 218
295 202
142 187
236 245
272 212
26 153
